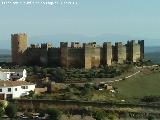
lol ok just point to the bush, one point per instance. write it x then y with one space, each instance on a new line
11 110
112 116
59 75
1 112
150 99
44 72
99 114
3 104
54 114
36 69
87 90
150 117
42 113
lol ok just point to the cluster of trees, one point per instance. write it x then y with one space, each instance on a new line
102 72
101 115
87 90
150 99
98 114
10 110
62 74
144 63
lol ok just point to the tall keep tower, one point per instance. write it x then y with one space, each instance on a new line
19 47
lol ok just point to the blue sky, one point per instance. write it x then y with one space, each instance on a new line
139 19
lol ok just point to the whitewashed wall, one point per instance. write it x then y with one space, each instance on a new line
20 92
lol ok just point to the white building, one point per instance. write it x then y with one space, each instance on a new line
15 89
13 74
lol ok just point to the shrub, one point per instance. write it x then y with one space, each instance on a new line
99 114
3 104
54 114
1 112
112 116
42 113
59 75
87 90
11 110
150 117
150 99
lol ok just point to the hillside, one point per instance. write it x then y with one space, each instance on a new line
147 83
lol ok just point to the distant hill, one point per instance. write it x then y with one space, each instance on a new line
5 52
153 53
152 49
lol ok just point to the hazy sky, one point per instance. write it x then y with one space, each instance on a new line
137 18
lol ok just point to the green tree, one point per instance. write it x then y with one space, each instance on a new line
31 94
87 90
1 112
99 114
59 74
126 115
150 117
36 69
54 114
42 113
44 71
112 116
11 110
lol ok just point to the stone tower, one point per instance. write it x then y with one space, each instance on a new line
133 51
44 53
91 55
64 54
19 47
107 48
120 52
141 43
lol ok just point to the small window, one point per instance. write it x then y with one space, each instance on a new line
15 89
9 89
18 74
0 90
23 87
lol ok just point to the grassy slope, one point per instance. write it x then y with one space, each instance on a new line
140 85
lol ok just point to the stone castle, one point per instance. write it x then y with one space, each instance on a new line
76 55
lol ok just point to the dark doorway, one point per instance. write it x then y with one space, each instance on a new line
9 96
1 96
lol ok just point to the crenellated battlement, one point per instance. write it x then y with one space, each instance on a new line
86 55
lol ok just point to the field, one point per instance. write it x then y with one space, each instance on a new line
146 83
